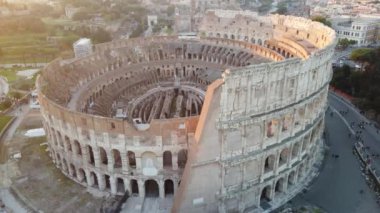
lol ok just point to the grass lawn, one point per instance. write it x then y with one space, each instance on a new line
4 120
9 74
28 48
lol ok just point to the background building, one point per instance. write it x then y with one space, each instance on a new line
362 29
82 47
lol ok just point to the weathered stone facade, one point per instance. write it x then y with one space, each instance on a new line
261 83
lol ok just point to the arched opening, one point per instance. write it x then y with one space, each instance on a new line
131 159
64 165
103 156
259 42
291 178
77 148
134 187
182 158
117 158
232 36
120 185
167 159
59 138
94 179
58 161
253 40
300 171
151 188
73 171
108 181
295 150
280 187
82 176
271 128
169 187
91 158
283 157
68 144
269 163
265 195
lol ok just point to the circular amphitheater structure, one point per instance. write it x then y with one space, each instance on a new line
226 119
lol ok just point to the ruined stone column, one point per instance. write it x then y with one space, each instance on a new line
175 161
101 181
127 186
160 162
96 152
89 180
124 162
161 188
138 163
113 185
111 161
141 188
85 156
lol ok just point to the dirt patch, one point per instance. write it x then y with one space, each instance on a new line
40 182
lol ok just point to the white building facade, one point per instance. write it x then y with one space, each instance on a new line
82 47
363 30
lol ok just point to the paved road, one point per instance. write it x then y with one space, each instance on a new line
369 135
337 188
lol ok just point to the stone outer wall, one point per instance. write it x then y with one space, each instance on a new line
269 125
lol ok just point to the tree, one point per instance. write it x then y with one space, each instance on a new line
282 9
344 42
362 55
101 36
322 19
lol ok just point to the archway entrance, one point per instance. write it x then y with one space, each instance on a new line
135 187
169 187
151 188
265 195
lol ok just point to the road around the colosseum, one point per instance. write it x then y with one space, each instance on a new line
7 198
337 188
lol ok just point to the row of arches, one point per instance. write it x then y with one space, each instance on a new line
288 122
117 185
288 153
113 158
283 184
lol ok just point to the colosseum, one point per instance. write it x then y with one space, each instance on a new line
227 119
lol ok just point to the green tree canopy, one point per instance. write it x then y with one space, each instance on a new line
322 19
363 55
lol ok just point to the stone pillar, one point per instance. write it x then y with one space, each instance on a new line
124 163
113 185
175 186
71 172
101 181
111 161
88 178
65 147
85 156
138 163
96 152
161 188
74 149
141 186
160 160
175 161
127 186
276 163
